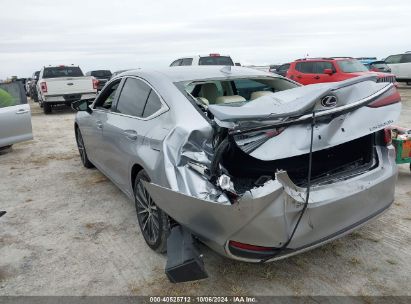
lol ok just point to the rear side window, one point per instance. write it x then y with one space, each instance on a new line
313 67
10 94
153 104
406 58
187 61
176 63
393 59
133 97
62 71
215 60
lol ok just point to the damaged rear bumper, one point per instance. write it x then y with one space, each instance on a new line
265 216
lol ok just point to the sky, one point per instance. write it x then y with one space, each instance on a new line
126 34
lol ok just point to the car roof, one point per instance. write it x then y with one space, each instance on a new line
187 73
324 58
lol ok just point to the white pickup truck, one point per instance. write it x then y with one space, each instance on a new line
64 84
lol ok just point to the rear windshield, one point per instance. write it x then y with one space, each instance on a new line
234 91
351 66
102 73
62 71
215 60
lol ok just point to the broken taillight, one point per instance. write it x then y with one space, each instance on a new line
43 87
249 247
387 100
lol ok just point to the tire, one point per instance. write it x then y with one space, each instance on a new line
82 150
154 223
5 147
46 108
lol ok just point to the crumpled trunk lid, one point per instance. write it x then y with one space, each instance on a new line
342 114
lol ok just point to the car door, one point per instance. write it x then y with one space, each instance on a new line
126 127
393 62
92 128
304 72
15 114
405 67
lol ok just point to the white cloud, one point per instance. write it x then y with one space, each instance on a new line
125 34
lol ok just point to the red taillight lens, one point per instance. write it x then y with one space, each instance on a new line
95 84
249 247
386 100
387 137
43 87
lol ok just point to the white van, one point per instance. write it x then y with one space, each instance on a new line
400 66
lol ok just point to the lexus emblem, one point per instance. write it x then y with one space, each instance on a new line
329 101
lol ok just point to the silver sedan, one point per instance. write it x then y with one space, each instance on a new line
252 164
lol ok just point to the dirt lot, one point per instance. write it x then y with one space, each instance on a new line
70 231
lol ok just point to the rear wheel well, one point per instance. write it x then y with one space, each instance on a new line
136 168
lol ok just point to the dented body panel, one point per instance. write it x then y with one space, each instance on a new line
178 151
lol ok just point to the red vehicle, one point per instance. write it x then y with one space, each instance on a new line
317 70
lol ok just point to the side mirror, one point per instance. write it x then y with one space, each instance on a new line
328 71
237 64
82 105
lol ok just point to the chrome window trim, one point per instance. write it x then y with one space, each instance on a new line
164 106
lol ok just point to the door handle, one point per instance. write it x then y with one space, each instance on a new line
317 77
130 134
22 111
99 124
299 76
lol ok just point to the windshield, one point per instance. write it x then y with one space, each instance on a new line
101 73
62 71
215 60
351 66
234 91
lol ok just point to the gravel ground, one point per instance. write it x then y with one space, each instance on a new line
70 231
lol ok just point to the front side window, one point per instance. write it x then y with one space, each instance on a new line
305 67
10 94
320 66
133 97
393 59
187 61
106 98
62 71
406 58
351 66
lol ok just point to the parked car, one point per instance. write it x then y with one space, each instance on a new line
210 59
15 115
227 152
61 85
118 72
101 75
318 70
400 66
282 69
273 68
33 86
378 66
